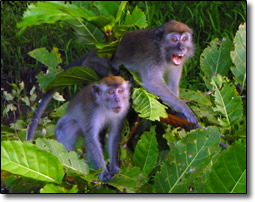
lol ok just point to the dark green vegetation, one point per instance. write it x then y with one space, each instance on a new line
157 158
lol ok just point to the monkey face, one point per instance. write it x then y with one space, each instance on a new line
178 47
112 93
116 98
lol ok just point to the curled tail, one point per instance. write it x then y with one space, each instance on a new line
38 113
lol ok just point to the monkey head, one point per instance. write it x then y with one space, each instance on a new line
175 42
113 93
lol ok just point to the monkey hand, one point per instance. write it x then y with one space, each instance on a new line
190 116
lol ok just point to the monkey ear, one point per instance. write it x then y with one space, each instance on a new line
95 89
159 32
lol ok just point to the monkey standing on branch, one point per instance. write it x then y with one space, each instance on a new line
99 105
158 54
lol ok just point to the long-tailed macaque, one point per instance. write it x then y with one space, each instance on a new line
92 60
99 105
158 55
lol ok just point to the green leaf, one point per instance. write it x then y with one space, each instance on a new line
106 50
52 188
239 56
206 112
74 75
228 173
147 106
228 103
137 18
49 59
30 161
128 180
85 22
87 33
44 80
108 7
120 30
51 12
215 59
146 151
197 96
187 159
43 12
120 10
6 130
69 159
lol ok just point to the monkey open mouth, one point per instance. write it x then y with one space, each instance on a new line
177 58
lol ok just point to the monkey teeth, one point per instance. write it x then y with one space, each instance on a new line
177 58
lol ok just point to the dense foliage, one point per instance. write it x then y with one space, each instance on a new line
155 157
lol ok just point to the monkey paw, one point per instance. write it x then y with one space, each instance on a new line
191 118
105 176
114 170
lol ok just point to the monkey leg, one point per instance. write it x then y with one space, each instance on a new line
94 153
66 132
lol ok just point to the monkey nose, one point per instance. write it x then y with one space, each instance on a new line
181 48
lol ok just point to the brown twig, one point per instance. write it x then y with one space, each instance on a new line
132 131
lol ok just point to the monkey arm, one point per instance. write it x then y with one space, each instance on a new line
155 85
173 77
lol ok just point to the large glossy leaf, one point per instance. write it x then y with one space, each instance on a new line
215 59
87 34
108 7
85 22
228 173
30 161
239 56
187 159
146 151
228 103
53 11
147 106
69 159
74 75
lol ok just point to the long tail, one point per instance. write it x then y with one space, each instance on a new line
38 113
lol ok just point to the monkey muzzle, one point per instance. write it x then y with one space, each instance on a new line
116 109
177 58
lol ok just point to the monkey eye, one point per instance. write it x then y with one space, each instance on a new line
184 39
120 91
110 92
174 39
